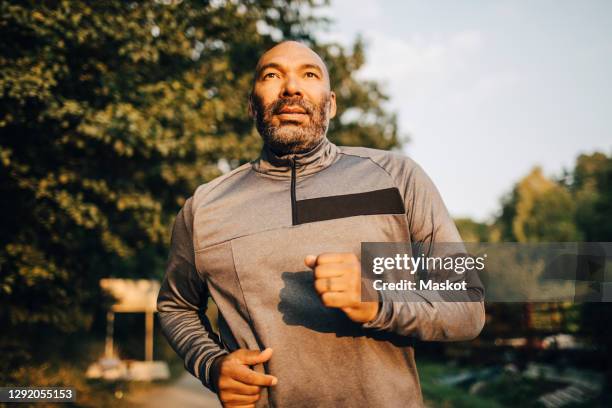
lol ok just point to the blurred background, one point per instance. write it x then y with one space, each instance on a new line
113 112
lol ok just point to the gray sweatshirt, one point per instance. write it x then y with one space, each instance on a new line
242 239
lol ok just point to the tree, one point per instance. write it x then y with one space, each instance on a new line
111 114
591 185
472 231
538 210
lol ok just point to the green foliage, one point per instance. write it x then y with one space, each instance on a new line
439 395
472 231
111 114
592 189
538 210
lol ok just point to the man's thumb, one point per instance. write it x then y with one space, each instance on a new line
310 261
252 357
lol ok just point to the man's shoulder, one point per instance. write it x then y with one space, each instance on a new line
393 162
204 189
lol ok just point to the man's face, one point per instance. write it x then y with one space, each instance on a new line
291 100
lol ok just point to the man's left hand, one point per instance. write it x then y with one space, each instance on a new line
337 280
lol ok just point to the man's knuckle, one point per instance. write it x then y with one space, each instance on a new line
318 285
253 390
251 398
321 270
324 256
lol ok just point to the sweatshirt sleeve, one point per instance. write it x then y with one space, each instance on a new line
425 314
182 302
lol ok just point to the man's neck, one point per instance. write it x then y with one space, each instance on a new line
285 149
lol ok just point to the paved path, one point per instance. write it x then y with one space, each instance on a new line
186 392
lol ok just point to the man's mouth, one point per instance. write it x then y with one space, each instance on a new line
292 110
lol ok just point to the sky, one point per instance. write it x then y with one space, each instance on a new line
487 90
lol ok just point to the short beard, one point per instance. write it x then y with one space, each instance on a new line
286 139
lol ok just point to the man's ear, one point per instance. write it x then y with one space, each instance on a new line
332 104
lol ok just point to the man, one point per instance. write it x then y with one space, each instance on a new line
276 243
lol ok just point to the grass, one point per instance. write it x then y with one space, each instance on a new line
507 390
444 396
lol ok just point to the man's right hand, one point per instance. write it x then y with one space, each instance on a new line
237 384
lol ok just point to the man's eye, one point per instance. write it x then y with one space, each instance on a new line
269 75
311 75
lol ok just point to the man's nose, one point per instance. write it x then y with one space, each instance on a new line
292 87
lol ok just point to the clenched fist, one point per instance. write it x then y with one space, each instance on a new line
337 280
237 384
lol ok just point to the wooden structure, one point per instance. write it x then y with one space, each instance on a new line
131 296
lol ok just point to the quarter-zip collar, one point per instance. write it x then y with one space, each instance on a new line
312 161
